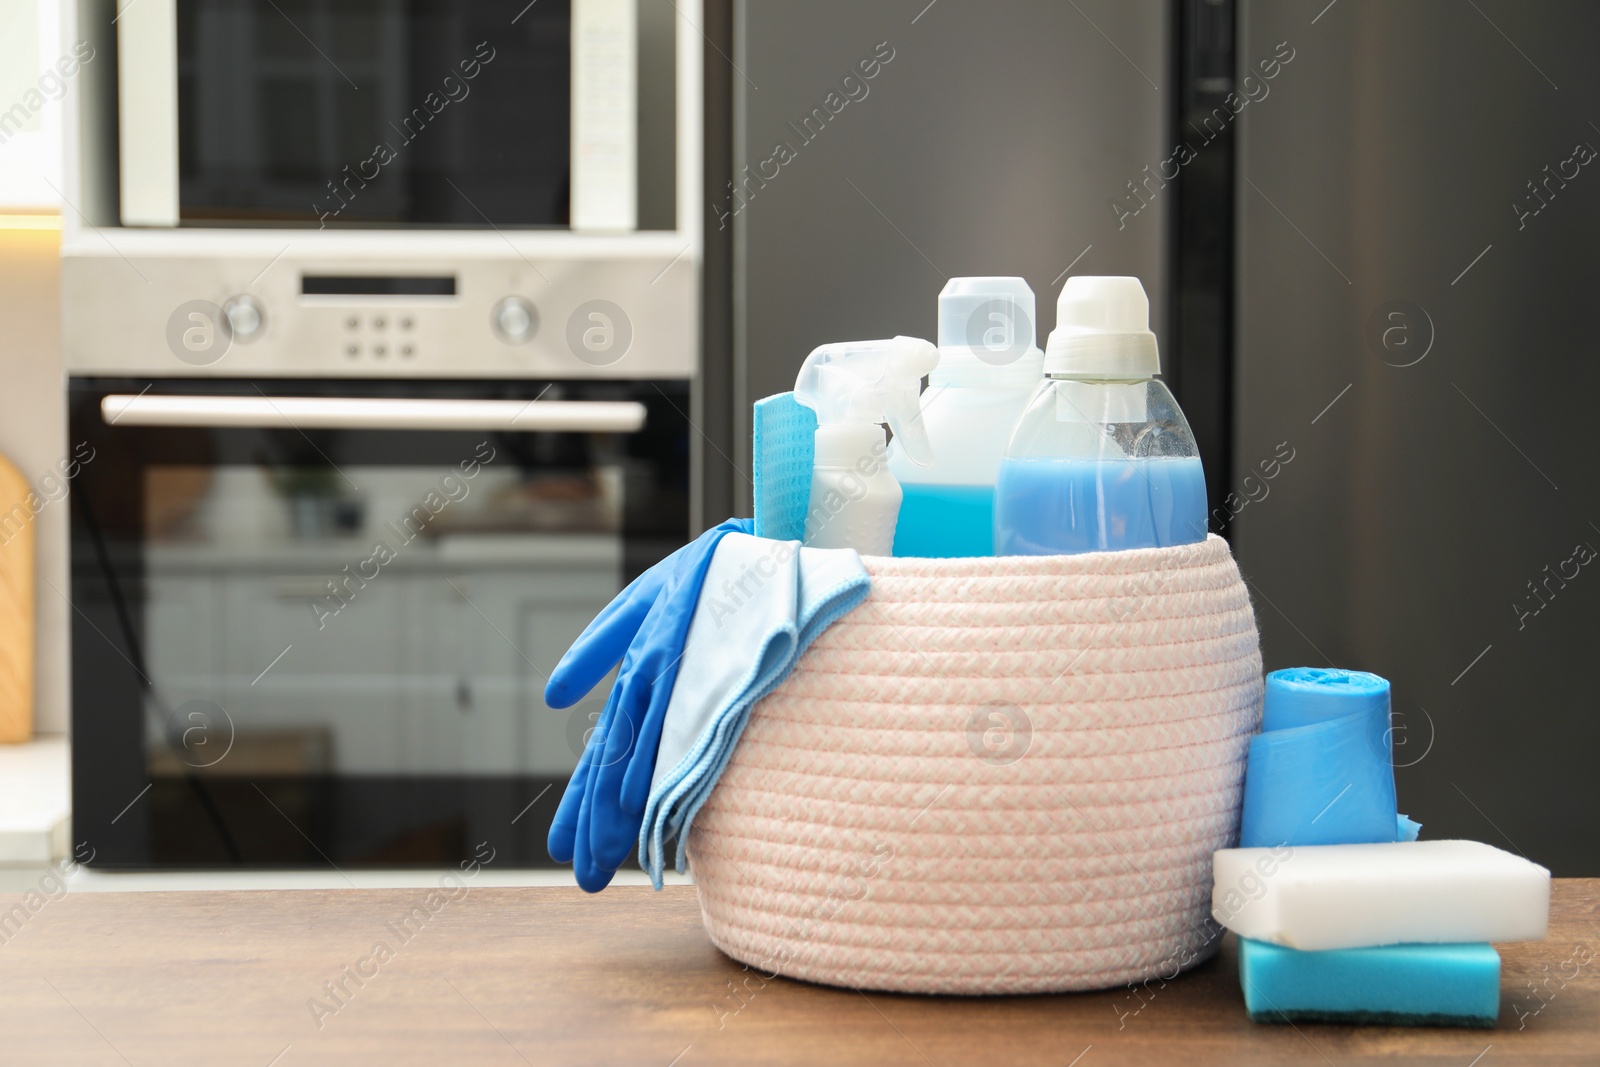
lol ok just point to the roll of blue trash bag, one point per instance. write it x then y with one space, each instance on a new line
1321 770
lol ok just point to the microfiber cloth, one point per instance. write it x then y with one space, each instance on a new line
784 449
763 603
1321 770
1416 985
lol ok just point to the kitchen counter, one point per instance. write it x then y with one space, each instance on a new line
35 803
549 976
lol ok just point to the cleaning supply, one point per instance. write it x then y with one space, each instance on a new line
782 451
1415 985
1332 872
988 367
646 627
1101 458
764 603
1355 896
854 387
1321 770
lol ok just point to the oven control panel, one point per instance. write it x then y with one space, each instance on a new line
490 311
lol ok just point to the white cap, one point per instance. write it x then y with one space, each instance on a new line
986 333
990 316
1102 330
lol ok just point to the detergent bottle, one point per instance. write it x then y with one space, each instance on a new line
1102 458
988 367
854 387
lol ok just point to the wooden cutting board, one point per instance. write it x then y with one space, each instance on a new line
16 604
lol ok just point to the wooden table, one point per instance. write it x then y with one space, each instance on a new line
549 976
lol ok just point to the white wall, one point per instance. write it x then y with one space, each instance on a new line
32 97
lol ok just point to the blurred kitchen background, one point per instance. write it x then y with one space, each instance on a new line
1367 230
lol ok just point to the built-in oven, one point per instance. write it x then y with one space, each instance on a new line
381 329
313 619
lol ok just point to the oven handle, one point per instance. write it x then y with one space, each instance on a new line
373 413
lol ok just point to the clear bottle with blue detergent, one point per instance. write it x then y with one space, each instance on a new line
988 367
1102 458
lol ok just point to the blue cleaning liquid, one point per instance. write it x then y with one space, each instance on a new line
945 521
1064 506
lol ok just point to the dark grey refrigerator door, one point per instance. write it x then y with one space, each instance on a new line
1419 213
891 146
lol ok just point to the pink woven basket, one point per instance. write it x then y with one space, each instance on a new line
996 775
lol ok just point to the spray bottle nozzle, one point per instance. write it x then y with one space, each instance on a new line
872 382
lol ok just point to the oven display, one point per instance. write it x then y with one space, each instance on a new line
376 285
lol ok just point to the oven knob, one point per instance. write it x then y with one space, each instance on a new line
246 318
515 320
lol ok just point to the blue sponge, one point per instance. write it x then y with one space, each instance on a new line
784 450
1411 985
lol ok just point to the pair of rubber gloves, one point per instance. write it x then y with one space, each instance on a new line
597 824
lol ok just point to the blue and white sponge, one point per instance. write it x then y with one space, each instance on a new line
1393 933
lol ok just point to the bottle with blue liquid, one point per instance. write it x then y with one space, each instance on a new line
988 367
1101 458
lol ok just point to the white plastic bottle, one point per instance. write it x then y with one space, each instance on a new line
854 387
1102 459
988 367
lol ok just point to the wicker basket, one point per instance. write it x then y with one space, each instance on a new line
997 775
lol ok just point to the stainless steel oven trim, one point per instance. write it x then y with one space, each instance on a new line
373 413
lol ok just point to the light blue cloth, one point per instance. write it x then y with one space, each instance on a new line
762 605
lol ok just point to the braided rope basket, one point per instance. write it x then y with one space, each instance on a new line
995 775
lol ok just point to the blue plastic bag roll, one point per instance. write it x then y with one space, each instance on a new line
1320 771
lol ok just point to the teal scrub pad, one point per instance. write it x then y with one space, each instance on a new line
1405 985
784 447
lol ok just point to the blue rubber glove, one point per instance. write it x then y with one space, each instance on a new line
597 823
603 642
599 648
649 671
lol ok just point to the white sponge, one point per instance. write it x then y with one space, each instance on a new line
1356 896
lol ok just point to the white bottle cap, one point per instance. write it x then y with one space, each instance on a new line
991 317
986 335
1102 331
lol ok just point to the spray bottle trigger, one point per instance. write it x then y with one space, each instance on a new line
910 360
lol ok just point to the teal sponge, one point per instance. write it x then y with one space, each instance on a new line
1415 985
784 448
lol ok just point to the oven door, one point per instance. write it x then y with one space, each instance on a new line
313 620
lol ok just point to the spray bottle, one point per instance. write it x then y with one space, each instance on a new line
854 387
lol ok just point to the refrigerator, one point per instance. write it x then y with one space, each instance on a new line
1416 250
1367 232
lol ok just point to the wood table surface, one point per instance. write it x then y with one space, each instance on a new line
550 976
